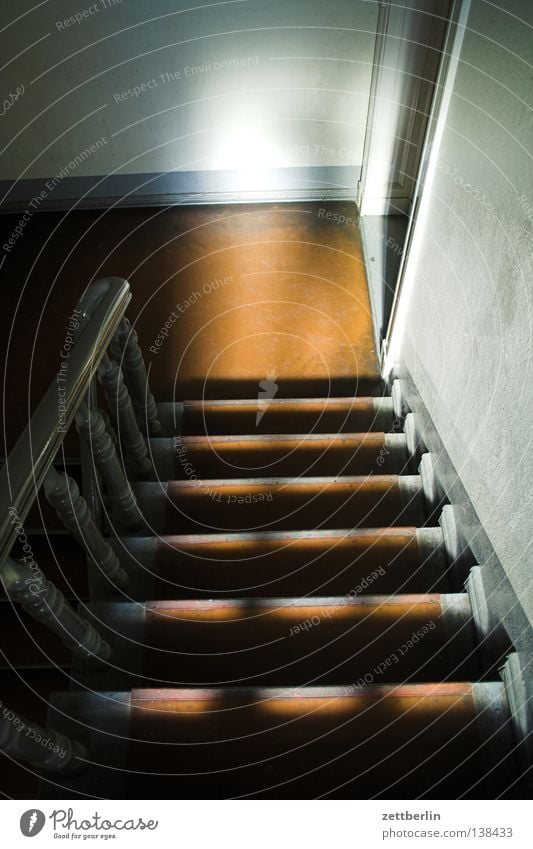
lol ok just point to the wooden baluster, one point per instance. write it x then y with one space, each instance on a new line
92 430
115 348
63 494
132 362
42 748
109 427
26 584
119 401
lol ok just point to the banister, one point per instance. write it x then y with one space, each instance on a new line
42 600
43 748
101 307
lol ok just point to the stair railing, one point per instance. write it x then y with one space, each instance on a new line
126 351
29 467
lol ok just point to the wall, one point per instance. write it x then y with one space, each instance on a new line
463 327
184 84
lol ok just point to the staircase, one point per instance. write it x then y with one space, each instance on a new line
294 626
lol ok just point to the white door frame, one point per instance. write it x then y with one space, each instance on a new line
428 155
409 37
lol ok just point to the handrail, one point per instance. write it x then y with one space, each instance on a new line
101 308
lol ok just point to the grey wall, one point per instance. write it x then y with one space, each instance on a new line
467 340
242 83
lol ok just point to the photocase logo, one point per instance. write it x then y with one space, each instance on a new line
32 822
267 391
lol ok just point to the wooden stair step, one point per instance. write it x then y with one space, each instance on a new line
433 741
281 503
292 641
280 415
280 454
335 562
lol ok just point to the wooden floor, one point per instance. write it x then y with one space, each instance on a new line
245 294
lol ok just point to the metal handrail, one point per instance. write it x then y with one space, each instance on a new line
101 309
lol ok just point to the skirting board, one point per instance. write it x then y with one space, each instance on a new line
331 182
502 598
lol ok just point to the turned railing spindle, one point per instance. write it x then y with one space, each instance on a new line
91 428
42 748
125 348
63 494
26 584
119 401
109 427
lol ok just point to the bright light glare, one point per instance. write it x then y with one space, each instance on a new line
246 148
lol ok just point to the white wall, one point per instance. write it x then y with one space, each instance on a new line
467 338
286 83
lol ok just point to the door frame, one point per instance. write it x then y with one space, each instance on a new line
410 35
452 47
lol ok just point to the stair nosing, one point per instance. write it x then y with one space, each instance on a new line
286 481
278 402
396 531
280 437
277 602
461 688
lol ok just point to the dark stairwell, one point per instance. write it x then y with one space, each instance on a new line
294 625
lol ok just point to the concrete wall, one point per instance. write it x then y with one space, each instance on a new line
467 335
182 84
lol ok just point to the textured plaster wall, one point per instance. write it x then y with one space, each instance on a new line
468 337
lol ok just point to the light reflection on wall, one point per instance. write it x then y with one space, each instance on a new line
247 148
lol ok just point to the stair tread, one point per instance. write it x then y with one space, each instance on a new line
233 456
387 740
280 503
312 414
284 640
284 563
